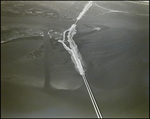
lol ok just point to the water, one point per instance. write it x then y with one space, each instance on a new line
116 59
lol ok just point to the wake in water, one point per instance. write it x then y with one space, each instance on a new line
106 10
73 49
76 56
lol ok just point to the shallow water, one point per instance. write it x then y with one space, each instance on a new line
116 58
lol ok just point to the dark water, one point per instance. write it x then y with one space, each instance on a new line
116 58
